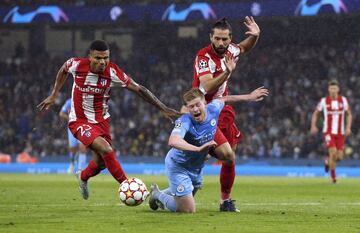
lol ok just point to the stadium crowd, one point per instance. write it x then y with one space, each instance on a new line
275 128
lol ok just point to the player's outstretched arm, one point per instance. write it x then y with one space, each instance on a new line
256 95
314 118
253 32
149 97
348 122
179 143
59 82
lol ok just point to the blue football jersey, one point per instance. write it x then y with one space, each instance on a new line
67 106
197 134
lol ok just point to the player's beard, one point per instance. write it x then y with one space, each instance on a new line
221 50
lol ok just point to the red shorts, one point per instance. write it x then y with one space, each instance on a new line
227 130
333 140
87 132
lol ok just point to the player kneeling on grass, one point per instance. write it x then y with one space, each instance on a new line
191 139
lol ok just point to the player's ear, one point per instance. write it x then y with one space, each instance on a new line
89 54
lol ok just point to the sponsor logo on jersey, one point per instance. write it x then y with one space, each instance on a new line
90 89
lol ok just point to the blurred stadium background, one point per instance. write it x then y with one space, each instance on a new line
303 44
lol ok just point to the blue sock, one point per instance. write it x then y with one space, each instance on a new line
72 158
81 161
168 200
167 191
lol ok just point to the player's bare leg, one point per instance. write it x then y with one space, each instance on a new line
226 154
185 204
340 155
332 163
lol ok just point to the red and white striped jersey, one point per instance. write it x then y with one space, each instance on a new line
208 62
90 91
334 114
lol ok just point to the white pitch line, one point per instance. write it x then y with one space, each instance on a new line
198 204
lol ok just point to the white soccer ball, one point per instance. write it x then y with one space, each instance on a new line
133 192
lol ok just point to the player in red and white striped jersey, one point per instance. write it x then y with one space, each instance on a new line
211 76
89 119
335 109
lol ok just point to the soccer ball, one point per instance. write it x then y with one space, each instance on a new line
133 192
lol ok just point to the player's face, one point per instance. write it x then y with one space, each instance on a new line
334 90
220 40
196 108
99 60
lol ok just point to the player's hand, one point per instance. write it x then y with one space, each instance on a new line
259 94
347 132
230 63
253 28
171 114
314 130
207 145
46 103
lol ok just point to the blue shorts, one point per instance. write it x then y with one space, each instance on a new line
182 181
73 142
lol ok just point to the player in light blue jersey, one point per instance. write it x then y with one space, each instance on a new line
191 139
76 148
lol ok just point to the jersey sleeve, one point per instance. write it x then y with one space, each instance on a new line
66 107
216 105
321 105
202 65
182 125
71 65
118 77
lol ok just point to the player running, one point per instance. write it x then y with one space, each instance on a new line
191 139
211 77
334 107
77 150
89 119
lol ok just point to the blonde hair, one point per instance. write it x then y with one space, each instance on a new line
192 94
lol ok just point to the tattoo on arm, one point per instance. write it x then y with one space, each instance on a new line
149 97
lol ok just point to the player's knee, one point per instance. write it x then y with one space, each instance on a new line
105 150
229 157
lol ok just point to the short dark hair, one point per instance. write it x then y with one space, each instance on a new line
333 82
99 45
222 24
192 94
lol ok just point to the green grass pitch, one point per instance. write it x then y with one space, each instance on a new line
52 203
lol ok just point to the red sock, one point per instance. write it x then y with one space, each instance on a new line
114 167
227 177
333 175
90 171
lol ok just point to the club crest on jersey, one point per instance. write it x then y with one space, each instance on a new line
202 64
213 122
87 134
180 188
103 82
